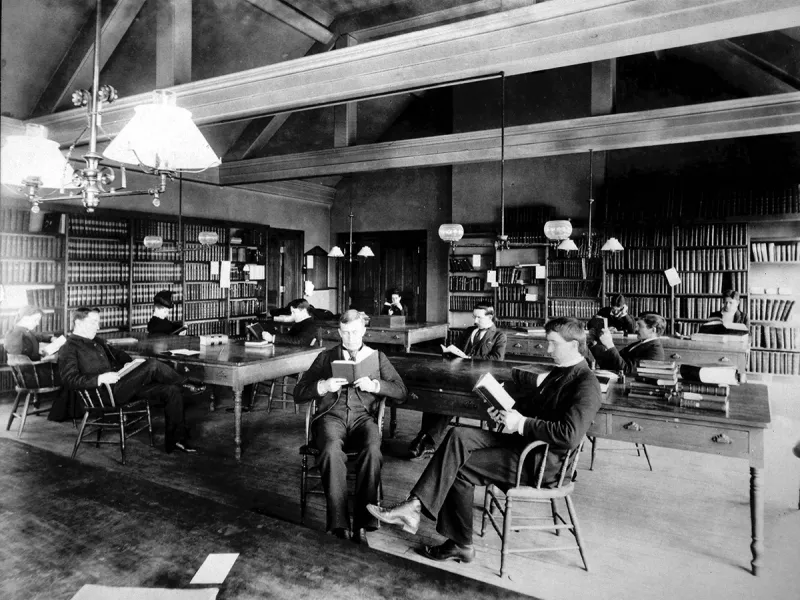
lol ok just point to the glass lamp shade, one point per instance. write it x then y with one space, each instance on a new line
208 238
32 159
336 252
567 245
162 136
153 242
558 230
612 245
366 252
451 232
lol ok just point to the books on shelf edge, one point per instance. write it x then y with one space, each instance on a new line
128 367
368 366
451 349
493 393
719 375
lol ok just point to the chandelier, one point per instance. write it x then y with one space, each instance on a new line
161 140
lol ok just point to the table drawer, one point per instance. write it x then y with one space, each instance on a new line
708 357
445 402
526 347
384 336
685 436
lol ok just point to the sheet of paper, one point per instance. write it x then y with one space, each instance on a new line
476 261
185 352
214 268
673 278
225 274
257 272
491 276
541 272
215 568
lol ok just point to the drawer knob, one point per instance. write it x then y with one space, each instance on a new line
676 356
538 346
517 345
721 438
724 359
367 334
395 337
327 332
633 426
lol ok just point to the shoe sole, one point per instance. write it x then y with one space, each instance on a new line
460 559
406 527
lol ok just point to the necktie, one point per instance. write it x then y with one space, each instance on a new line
353 354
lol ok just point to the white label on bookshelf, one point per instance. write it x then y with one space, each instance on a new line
541 272
491 277
476 261
214 268
531 297
225 274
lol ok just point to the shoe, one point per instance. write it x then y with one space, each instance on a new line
360 536
340 532
194 388
181 447
421 447
449 550
406 514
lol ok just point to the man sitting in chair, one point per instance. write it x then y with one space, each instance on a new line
302 333
346 417
87 361
559 411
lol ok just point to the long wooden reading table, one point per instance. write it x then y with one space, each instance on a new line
444 386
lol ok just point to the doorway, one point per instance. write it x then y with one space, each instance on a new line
284 267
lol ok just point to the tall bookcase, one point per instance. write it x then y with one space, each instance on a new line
521 293
574 282
467 284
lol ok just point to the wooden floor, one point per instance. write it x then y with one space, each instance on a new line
680 531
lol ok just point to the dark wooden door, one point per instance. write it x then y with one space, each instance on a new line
284 267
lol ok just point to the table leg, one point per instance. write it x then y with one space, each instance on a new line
392 421
756 517
237 422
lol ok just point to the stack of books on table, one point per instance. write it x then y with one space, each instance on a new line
705 388
654 380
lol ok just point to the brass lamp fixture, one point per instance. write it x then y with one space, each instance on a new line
336 251
161 139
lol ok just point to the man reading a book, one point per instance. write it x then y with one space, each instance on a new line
87 361
484 341
302 333
559 411
22 339
649 328
346 418
730 312
160 323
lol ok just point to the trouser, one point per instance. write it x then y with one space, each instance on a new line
468 457
155 380
435 426
333 435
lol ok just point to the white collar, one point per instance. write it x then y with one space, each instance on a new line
362 353
571 363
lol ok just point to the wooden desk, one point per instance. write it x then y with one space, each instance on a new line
405 336
445 386
232 365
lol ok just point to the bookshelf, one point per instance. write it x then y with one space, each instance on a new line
467 284
574 282
154 270
248 247
521 293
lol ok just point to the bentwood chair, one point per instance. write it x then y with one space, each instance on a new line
520 496
32 379
310 478
639 451
103 413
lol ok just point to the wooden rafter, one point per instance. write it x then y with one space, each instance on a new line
294 18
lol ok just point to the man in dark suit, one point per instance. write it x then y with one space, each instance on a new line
347 417
302 333
559 412
649 328
483 341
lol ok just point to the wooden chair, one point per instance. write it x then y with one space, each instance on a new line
32 379
526 494
308 449
103 413
638 453
286 386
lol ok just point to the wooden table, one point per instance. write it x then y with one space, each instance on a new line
232 365
445 386
404 336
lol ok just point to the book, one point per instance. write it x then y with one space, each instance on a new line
254 331
660 381
128 367
368 366
493 393
704 388
658 364
717 327
451 349
179 329
255 344
53 346
606 378
703 397
720 375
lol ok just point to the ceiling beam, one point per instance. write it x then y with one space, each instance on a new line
75 68
294 18
534 38
173 43
765 115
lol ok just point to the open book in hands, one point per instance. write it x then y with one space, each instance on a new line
451 349
368 366
493 393
54 346
129 367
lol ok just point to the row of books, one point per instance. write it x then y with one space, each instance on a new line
250 255
655 259
712 234
468 303
15 220
575 267
775 251
581 309
464 263
141 314
712 259
641 283
97 272
169 251
191 231
711 282
201 253
145 292
521 310
640 304
781 363
199 272
113 316
250 237
33 246
204 291
110 249
638 237
166 229
777 338
246 307
204 310
247 289
526 324
156 272
697 308
771 309
527 237
208 328
51 321
510 293
97 295
46 298
465 283
23 271
80 225
573 288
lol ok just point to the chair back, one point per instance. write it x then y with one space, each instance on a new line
34 375
568 466
99 398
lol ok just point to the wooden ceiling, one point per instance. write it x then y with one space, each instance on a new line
245 68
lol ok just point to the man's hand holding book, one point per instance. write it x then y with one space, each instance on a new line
512 419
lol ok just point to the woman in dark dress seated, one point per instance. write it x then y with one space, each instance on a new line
22 339
649 328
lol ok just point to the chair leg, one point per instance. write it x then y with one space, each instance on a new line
100 431
576 530
80 433
506 535
554 511
149 424
487 502
594 450
14 410
638 452
644 447
283 390
271 395
122 435
24 416
303 491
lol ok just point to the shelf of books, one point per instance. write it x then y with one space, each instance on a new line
574 282
248 250
205 300
521 290
467 286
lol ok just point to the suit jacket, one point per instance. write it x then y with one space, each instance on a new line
300 334
393 310
24 341
626 324
81 360
492 346
392 386
627 358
